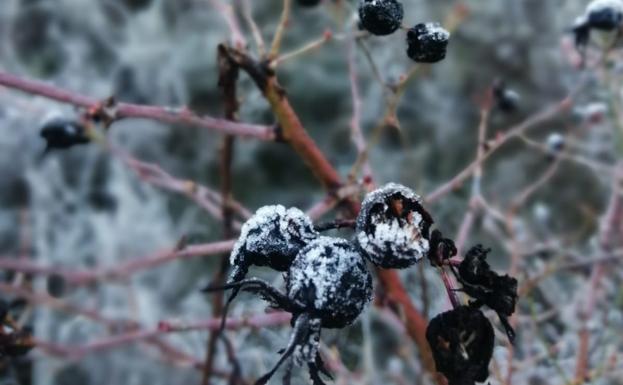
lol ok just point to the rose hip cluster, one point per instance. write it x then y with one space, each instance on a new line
426 42
328 284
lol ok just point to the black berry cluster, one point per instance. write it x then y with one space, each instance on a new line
602 15
63 133
328 284
426 42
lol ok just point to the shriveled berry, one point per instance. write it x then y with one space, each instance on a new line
440 249
393 228
380 17
499 292
272 237
427 43
581 32
63 133
605 15
331 279
462 344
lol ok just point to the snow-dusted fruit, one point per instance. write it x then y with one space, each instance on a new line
427 43
555 143
330 278
63 133
392 228
605 15
272 237
462 344
380 17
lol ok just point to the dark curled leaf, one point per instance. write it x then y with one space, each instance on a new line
441 248
499 292
462 344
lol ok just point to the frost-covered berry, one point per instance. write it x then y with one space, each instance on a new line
427 43
331 279
393 228
272 237
555 143
63 133
605 15
380 17
462 344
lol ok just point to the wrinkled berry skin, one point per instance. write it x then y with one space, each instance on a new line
427 43
462 344
380 17
605 15
331 279
272 237
392 228
63 133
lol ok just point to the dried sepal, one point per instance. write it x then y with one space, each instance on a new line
461 341
393 227
499 292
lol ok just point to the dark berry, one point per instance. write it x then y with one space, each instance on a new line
555 143
462 344
380 17
308 3
427 43
62 133
581 32
272 237
499 292
506 100
393 228
605 15
330 278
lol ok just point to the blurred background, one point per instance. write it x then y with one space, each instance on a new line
84 208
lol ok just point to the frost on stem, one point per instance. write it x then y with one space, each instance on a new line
271 237
330 277
393 228
462 344
380 17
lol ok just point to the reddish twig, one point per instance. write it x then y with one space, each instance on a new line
182 116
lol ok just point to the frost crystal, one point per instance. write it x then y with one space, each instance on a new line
393 227
271 237
331 278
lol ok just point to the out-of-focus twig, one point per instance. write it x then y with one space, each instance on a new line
182 116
